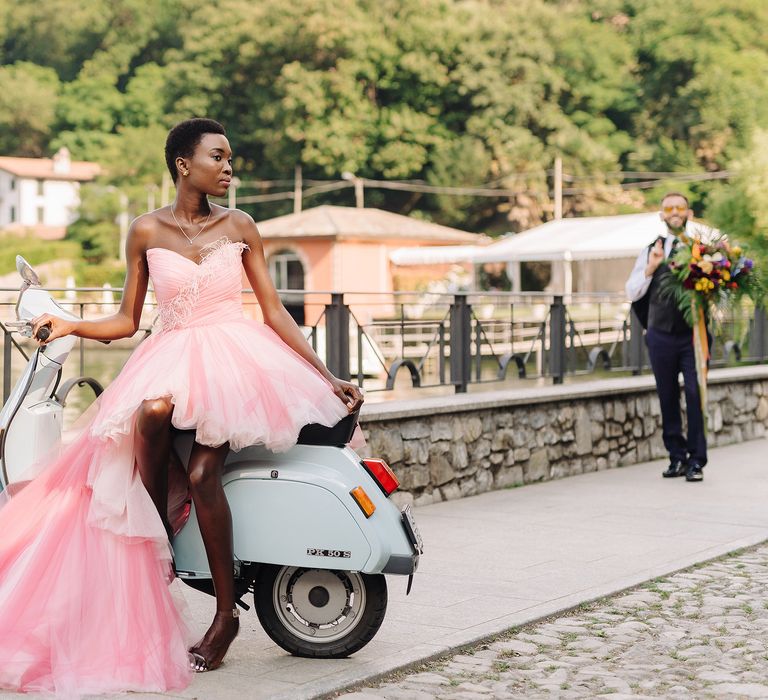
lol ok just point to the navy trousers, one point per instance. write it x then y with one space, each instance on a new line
671 354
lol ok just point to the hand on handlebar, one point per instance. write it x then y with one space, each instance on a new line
46 328
349 393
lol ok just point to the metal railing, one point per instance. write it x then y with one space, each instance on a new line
447 339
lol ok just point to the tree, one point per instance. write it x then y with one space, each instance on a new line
25 122
741 208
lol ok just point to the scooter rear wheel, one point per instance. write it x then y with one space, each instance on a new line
319 613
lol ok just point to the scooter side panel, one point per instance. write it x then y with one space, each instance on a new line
338 470
280 522
298 512
294 523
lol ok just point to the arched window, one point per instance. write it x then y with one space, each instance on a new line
287 272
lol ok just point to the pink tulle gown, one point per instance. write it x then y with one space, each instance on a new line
85 601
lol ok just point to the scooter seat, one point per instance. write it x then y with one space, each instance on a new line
336 436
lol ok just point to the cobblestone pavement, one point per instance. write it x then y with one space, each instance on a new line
701 633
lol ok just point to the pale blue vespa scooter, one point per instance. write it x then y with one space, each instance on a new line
314 528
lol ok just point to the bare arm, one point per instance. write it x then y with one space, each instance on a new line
125 322
276 316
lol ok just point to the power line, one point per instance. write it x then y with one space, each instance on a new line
643 180
650 184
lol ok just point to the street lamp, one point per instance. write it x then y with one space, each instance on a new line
358 183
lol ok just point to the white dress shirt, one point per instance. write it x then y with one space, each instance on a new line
637 284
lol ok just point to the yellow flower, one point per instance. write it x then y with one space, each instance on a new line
726 275
705 266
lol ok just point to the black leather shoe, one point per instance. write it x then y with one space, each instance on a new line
675 468
695 472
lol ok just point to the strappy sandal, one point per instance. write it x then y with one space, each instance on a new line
197 662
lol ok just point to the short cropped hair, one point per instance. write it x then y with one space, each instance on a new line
676 194
184 137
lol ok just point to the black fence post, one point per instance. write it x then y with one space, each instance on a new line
557 351
636 349
758 342
337 337
461 342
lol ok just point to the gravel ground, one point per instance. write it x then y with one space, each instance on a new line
701 633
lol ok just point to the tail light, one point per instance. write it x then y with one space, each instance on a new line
382 475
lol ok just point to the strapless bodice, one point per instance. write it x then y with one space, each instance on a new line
194 294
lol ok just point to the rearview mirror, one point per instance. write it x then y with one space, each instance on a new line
26 272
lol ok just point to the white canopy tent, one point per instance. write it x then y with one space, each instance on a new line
561 242
588 238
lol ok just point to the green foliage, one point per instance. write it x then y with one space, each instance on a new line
445 91
28 99
741 208
110 272
98 241
96 231
33 250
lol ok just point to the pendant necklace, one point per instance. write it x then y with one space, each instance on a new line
184 233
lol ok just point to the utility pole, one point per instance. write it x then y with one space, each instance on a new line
232 193
558 187
358 183
297 189
165 190
151 191
122 219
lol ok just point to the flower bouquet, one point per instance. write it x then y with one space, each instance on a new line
709 276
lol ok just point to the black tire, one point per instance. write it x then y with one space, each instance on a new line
347 608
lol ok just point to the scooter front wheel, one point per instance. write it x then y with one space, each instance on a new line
320 613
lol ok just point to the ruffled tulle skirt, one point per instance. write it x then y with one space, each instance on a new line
87 602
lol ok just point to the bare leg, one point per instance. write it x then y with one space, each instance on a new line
152 446
215 520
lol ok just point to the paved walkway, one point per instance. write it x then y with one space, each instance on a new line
697 634
507 558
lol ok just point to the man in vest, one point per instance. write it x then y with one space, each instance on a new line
670 346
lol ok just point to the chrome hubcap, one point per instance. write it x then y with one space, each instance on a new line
318 605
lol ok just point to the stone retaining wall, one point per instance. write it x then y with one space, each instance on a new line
448 447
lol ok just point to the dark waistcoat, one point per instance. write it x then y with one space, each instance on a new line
663 313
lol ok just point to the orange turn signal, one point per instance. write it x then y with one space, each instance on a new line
361 498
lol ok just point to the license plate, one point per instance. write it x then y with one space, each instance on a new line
412 529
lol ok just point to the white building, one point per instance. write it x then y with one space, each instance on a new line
42 194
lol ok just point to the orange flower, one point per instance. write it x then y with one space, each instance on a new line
696 251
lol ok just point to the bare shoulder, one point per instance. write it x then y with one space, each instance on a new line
142 230
245 227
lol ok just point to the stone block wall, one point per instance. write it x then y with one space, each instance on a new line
464 445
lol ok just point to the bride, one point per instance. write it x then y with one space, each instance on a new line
85 600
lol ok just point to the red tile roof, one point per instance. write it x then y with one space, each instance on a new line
356 223
42 169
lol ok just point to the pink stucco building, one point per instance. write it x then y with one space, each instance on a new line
347 249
